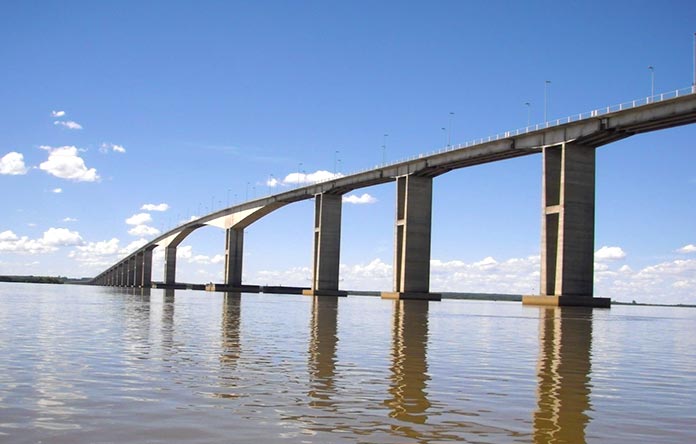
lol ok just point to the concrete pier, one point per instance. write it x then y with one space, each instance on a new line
132 271
122 275
146 276
567 229
414 195
170 265
327 246
234 250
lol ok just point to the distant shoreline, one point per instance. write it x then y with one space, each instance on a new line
445 294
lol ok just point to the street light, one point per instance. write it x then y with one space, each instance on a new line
384 149
652 82
529 113
546 100
449 130
444 131
335 161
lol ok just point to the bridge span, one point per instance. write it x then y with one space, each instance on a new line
568 206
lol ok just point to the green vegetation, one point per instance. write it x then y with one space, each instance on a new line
34 279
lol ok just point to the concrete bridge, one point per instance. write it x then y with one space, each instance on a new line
568 205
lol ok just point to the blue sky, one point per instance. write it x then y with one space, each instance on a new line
109 107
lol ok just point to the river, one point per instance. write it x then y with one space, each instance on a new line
83 364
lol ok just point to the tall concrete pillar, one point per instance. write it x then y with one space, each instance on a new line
132 271
138 275
327 245
169 265
121 274
146 269
412 239
234 250
567 228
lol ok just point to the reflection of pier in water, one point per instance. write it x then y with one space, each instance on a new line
230 346
563 373
409 370
563 376
322 352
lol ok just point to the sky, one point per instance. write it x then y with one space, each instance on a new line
121 120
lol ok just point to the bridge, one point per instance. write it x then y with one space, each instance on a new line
568 206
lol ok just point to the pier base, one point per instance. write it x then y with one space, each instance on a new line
411 295
232 288
567 301
313 292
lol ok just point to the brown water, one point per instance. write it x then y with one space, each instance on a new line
95 365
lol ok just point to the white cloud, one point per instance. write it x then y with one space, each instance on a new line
8 236
355 199
686 249
670 282
512 276
303 178
57 113
272 182
185 253
106 147
64 162
139 219
133 246
143 230
155 207
609 254
69 219
486 263
296 276
57 190
61 237
102 253
68 124
49 242
12 164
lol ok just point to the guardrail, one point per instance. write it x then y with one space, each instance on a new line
539 126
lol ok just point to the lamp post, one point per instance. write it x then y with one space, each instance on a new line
384 149
546 100
529 113
652 82
449 130
335 161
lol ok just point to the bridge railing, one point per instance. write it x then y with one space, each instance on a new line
539 126
528 129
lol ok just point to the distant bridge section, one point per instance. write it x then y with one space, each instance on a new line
568 187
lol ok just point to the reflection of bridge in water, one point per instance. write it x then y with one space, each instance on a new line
563 374
409 407
568 205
